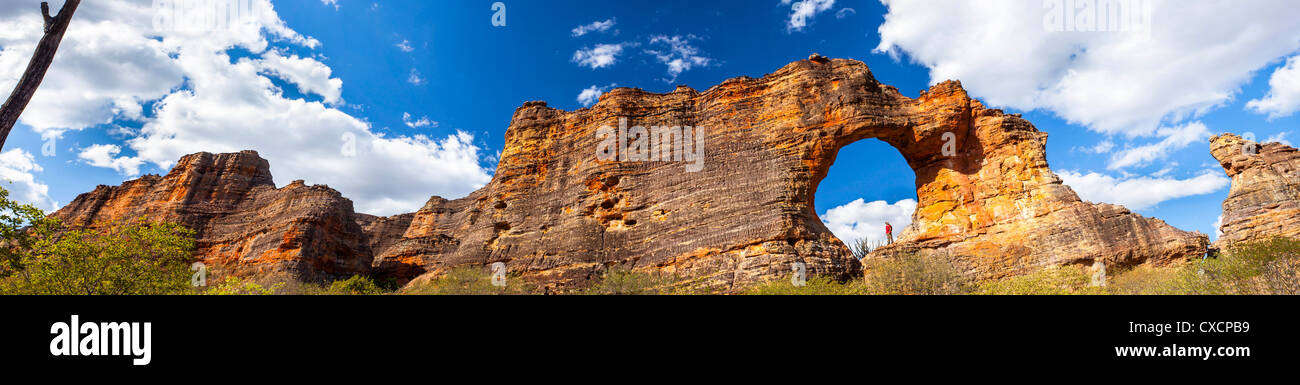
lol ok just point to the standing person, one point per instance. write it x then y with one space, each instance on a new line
889 232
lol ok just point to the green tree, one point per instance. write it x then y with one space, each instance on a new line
115 258
20 226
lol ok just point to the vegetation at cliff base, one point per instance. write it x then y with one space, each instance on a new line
1268 267
469 280
909 274
117 259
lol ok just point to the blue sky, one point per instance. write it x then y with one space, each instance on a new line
429 88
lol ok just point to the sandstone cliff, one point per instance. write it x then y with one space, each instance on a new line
558 213
1264 200
244 225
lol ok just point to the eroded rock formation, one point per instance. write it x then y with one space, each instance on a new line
244 225
558 214
1264 200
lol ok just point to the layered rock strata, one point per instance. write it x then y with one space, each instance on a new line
1264 201
244 225
726 198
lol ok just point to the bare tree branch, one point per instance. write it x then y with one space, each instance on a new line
45 11
55 27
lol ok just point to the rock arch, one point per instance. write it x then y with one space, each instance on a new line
554 213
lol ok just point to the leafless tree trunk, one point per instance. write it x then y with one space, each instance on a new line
45 50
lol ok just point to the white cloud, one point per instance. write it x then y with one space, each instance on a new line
1139 193
680 57
1195 58
1279 138
600 56
862 220
405 46
595 26
208 102
1101 147
105 155
591 95
423 121
803 11
845 12
106 67
334 3
415 78
310 75
17 168
1175 138
1283 97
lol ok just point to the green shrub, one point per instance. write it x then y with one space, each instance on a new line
357 285
117 258
236 286
21 225
815 285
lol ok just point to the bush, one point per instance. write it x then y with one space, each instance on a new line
357 285
119 258
912 274
1055 280
816 285
469 280
21 225
236 286
622 281
862 247
1145 280
1265 267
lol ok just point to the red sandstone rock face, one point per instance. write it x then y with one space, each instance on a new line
556 213
245 226
1264 200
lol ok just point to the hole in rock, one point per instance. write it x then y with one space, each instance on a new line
869 183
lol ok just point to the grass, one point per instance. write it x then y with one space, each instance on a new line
1270 268
622 281
470 280
356 285
1055 280
929 274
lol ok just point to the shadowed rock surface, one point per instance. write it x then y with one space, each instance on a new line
557 215
1264 200
244 225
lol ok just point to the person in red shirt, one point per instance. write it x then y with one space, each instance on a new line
889 232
